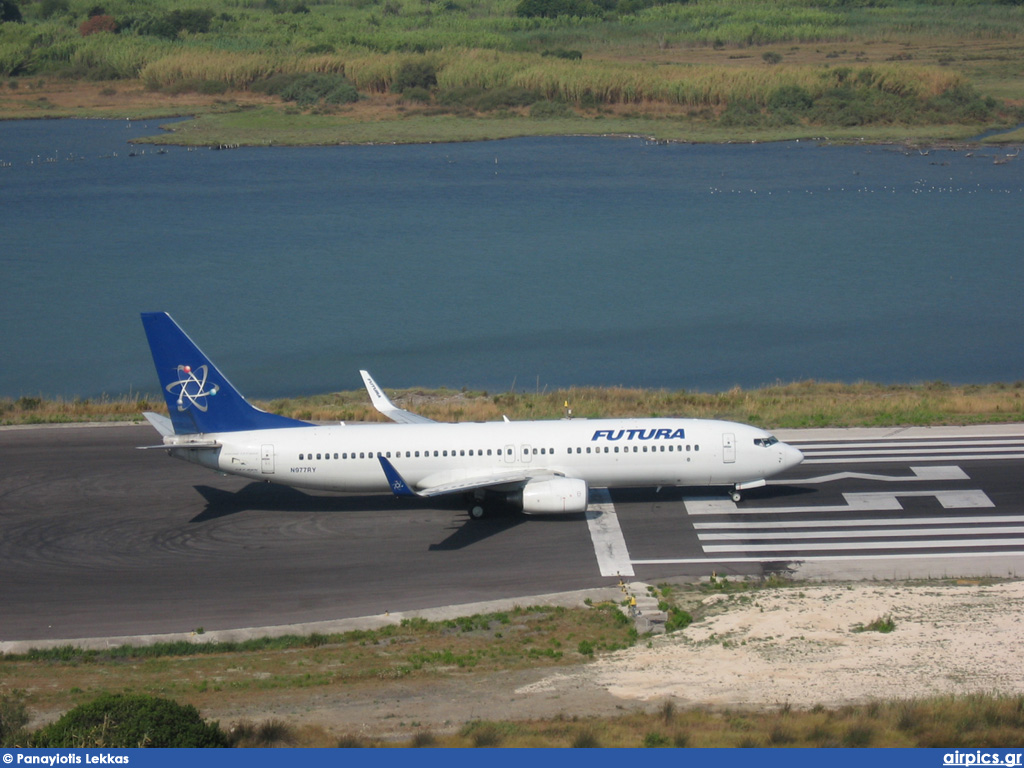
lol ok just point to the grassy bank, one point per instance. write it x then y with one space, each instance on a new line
801 404
410 71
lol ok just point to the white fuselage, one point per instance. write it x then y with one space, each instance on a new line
606 453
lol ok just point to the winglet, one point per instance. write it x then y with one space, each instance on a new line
398 485
383 404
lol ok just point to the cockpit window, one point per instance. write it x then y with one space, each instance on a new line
766 442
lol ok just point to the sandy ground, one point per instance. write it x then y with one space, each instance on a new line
794 645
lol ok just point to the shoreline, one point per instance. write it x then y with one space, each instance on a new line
244 118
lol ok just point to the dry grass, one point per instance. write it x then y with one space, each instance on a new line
800 404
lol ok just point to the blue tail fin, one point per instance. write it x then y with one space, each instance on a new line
199 398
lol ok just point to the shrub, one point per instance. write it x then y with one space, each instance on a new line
417 73
307 90
130 720
792 98
552 9
9 11
563 53
655 740
13 718
543 109
416 94
94 24
677 619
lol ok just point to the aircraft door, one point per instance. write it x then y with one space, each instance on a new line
267 459
526 454
510 454
728 448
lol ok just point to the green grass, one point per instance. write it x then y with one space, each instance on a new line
686 63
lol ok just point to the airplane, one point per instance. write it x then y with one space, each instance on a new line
538 467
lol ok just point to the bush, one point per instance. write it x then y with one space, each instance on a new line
418 73
416 94
544 109
677 619
487 99
94 24
168 25
130 720
792 98
311 89
552 9
13 718
9 11
563 53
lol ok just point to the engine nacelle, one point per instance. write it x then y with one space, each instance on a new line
554 495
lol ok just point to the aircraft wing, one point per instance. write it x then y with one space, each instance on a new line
384 405
401 488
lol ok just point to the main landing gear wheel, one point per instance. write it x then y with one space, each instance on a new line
477 512
737 496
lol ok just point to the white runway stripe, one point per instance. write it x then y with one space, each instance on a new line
904 444
894 458
824 546
866 502
606 535
828 558
861 534
918 474
867 522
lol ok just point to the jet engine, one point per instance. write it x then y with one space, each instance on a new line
553 495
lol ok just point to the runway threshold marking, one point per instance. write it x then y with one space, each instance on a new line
866 522
605 533
859 534
864 502
919 474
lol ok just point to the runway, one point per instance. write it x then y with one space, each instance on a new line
99 539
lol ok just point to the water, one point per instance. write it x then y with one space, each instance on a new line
530 263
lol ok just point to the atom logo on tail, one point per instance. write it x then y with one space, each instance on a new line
192 388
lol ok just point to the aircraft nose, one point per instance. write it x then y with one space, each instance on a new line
791 457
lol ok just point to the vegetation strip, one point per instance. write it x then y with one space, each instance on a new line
407 70
799 405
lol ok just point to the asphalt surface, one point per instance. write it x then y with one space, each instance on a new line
99 539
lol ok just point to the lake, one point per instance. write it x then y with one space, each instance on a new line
527 263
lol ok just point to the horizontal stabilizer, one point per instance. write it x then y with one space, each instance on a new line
162 424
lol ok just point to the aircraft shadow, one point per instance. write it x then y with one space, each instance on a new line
473 531
676 494
265 497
